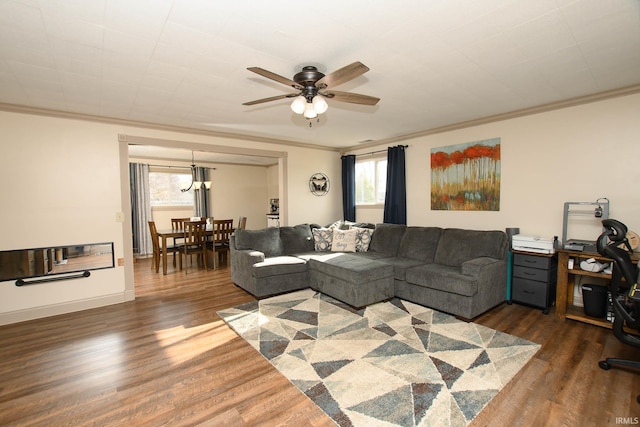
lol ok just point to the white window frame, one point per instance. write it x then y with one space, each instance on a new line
173 171
377 179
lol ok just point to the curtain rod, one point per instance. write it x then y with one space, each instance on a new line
177 167
376 152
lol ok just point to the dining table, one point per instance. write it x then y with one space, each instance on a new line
173 233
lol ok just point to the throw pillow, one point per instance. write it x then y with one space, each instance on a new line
344 240
363 238
296 240
338 224
322 238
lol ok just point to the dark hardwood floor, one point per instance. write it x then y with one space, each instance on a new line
167 359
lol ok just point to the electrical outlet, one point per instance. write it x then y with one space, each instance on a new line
119 217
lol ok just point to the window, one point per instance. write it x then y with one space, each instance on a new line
164 189
371 181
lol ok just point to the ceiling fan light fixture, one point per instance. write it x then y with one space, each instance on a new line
319 104
309 82
309 111
298 105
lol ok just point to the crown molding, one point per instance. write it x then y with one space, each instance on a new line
628 90
587 99
13 108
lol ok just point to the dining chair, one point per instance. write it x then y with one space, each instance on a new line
178 224
222 230
195 242
209 220
242 223
158 249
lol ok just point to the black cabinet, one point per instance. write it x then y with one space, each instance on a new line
534 279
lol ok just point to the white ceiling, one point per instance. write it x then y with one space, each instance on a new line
433 63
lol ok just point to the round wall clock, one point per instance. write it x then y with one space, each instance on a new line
319 184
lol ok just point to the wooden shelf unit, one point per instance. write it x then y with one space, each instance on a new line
565 309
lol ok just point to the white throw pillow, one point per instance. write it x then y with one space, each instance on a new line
344 240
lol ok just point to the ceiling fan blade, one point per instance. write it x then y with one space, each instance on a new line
273 76
272 98
342 75
353 98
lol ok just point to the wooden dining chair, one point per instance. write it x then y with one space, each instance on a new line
178 224
158 249
222 230
242 223
195 242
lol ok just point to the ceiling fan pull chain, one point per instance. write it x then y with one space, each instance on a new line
311 123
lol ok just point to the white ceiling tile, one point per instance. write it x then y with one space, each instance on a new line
159 83
205 15
115 41
77 58
139 18
44 94
92 11
81 86
540 36
21 55
19 15
12 90
33 72
184 37
74 30
173 55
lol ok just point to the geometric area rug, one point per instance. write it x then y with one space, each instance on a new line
393 363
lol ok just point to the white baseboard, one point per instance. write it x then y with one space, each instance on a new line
63 308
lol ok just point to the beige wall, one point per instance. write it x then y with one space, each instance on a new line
574 154
63 184
240 191
162 215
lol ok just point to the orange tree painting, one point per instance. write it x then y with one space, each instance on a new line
466 176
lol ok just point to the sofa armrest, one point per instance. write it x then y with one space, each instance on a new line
476 266
241 262
245 258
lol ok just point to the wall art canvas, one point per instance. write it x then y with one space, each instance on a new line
466 177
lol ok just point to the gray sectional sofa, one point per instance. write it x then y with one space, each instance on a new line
461 272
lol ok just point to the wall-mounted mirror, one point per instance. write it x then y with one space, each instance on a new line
38 262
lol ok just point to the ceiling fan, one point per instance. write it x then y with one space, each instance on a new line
310 83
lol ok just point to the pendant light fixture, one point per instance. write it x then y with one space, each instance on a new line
197 185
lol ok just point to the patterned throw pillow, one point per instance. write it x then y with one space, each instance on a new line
344 240
322 238
363 238
338 224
